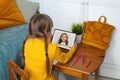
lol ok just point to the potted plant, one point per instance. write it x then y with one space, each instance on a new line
77 28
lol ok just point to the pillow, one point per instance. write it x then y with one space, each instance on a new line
10 14
27 8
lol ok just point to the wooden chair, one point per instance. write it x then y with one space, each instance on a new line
14 69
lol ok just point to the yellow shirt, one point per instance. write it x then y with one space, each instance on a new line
35 59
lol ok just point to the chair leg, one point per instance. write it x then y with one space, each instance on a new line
97 74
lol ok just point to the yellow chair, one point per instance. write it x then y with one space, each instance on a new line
15 69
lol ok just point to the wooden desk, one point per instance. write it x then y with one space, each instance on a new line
81 70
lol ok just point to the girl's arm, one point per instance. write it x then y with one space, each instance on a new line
64 57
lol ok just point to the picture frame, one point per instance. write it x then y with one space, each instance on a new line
63 39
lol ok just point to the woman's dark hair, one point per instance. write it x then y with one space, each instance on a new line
39 27
60 40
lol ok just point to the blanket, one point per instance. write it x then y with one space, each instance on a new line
11 41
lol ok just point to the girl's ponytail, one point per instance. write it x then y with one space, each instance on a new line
47 57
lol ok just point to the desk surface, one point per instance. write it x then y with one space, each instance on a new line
92 57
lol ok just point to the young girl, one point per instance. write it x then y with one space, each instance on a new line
39 52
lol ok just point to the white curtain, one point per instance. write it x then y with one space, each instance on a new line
63 12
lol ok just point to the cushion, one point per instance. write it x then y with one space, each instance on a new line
27 8
10 14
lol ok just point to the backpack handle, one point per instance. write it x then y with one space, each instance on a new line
104 21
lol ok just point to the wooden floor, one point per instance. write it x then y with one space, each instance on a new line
62 76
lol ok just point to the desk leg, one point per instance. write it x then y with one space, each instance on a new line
97 74
84 77
56 75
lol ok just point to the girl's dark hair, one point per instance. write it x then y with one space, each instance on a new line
39 27
60 40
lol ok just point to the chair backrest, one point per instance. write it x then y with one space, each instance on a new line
14 69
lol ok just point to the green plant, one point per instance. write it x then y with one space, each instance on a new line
77 28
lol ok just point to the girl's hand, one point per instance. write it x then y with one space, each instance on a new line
75 45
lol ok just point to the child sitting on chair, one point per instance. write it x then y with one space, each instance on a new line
38 51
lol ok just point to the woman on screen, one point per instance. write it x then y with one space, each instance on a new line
63 40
